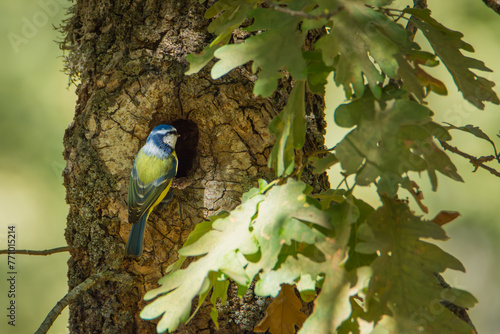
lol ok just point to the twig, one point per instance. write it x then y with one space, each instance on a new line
301 13
411 27
476 162
318 152
70 296
459 311
417 195
37 252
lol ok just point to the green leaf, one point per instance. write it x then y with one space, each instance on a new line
367 174
199 230
415 79
204 227
349 115
229 15
277 46
328 196
447 45
178 288
289 129
360 34
272 227
317 71
391 138
351 325
343 213
437 131
436 160
388 184
476 131
411 82
294 229
263 224
350 158
289 272
323 164
379 3
198 61
355 259
430 82
404 286
332 304
307 287
459 297
220 287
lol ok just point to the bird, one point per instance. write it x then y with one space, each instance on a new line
154 168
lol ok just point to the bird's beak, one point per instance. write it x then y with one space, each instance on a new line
177 135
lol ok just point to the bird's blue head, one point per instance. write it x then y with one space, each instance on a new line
161 140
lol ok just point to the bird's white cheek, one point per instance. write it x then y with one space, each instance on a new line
170 140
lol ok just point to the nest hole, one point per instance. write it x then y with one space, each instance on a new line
186 145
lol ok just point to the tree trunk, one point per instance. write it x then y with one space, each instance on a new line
130 59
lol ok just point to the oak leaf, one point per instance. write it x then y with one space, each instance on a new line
444 217
283 313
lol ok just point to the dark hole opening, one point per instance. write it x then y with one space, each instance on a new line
186 145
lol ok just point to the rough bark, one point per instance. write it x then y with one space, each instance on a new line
493 4
129 59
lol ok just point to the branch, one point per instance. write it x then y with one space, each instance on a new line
70 296
476 162
37 252
411 27
301 13
493 4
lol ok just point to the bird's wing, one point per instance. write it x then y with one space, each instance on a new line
157 175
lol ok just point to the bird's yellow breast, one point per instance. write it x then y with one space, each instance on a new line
150 168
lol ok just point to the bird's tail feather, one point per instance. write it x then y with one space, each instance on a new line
135 241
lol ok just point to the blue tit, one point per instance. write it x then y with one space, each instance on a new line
154 168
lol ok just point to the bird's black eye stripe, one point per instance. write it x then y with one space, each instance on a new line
171 132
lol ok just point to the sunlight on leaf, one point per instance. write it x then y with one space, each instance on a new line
179 287
277 46
332 304
289 129
262 224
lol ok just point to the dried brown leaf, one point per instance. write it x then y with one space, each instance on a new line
283 313
444 217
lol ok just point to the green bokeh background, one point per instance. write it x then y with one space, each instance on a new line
36 107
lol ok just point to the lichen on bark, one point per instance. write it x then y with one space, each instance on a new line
129 59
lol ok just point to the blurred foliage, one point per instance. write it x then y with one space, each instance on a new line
478 227
36 107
